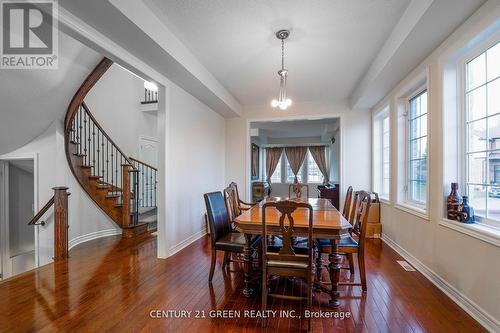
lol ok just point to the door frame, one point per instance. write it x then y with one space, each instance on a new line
4 205
339 116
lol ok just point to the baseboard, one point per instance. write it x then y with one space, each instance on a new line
188 241
476 312
93 235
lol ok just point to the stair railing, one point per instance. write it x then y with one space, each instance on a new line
108 164
148 183
60 202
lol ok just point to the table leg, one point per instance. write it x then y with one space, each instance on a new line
248 291
334 269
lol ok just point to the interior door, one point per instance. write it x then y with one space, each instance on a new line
4 232
148 150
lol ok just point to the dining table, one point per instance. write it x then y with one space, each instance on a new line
328 223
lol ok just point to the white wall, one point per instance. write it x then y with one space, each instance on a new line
355 141
466 267
115 103
195 165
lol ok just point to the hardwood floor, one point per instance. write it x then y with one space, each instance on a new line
113 284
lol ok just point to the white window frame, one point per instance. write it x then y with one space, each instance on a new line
404 203
378 156
463 118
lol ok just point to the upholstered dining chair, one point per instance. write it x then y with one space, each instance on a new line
349 245
287 262
298 190
223 237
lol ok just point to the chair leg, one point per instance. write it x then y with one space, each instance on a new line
264 297
319 265
212 264
362 271
227 257
309 304
350 258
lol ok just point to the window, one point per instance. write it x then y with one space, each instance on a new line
314 175
276 177
290 177
416 190
482 126
309 171
382 153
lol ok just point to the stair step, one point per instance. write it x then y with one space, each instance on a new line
103 187
112 196
95 177
85 166
79 155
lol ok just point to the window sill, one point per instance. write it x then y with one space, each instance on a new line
418 212
486 233
385 201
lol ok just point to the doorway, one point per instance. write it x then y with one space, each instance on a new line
17 205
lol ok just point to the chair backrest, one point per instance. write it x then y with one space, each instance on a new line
231 201
285 208
297 190
218 219
354 207
347 203
364 200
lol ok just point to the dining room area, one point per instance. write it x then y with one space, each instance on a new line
319 166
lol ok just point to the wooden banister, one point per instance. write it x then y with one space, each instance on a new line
37 216
79 96
60 202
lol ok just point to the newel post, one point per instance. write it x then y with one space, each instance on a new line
126 195
60 223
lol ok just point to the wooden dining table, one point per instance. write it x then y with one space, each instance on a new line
328 223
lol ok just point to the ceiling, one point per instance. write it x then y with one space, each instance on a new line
321 128
331 46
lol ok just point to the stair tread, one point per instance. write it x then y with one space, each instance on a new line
150 219
109 196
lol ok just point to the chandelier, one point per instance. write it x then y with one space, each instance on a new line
282 102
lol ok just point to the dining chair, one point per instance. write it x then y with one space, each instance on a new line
240 205
347 203
349 245
297 190
223 237
287 262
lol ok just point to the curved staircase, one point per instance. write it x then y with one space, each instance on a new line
121 186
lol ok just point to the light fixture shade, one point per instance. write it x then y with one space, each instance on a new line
282 102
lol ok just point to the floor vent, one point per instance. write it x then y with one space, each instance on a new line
407 267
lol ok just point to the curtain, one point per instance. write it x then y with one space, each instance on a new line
295 156
319 155
273 156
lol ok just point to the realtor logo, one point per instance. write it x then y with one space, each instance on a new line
29 34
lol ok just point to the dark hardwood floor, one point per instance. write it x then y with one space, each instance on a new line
113 284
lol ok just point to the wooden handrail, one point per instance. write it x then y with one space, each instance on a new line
80 94
34 219
141 162
87 110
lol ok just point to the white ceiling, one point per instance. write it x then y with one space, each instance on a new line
331 46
